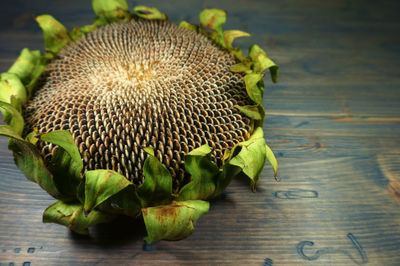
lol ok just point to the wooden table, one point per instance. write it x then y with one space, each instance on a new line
333 121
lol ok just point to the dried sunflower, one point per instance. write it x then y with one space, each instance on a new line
136 115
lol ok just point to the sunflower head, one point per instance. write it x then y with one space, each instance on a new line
136 115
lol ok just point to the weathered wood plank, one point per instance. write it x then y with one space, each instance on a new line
333 120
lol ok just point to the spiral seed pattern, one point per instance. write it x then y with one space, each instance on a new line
143 83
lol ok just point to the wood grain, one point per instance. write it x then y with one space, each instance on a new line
333 121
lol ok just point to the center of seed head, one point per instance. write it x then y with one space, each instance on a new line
137 72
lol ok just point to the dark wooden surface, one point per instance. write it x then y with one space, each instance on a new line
333 121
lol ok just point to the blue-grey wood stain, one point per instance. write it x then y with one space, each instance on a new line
333 121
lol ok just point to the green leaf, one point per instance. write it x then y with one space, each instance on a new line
80 191
157 184
255 112
12 117
189 26
72 216
231 35
66 164
149 12
64 139
203 171
242 67
101 185
238 53
174 221
35 75
109 11
274 71
25 65
12 87
33 137
8 131
124 202
149 150
272 160
225 177
250 156
253 88
262 62
29 161
55 34
77 32
213 19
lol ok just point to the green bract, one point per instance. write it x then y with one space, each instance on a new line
100 185
55 34
73 216
174 221
25 65
110 11
149 13
96 196
12 90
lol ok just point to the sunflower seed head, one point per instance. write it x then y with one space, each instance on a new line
143 83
